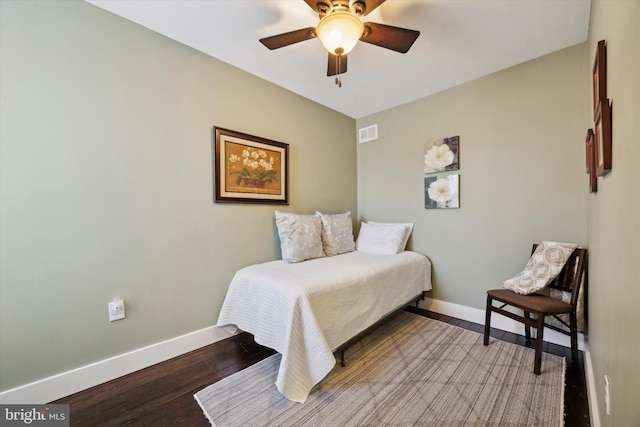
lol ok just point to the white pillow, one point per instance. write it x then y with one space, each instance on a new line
337 233
408 228
300 236
381 238
545 264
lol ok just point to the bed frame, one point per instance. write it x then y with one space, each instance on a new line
350 342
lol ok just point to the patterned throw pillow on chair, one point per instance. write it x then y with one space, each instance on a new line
543 266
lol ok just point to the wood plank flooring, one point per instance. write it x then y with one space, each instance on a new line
162 395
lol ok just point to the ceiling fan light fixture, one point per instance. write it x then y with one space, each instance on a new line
339 31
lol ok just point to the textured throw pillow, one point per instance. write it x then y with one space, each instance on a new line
408 228
381 238
300 236
543 266
566 297
337 233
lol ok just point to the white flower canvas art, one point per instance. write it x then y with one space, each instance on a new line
442 192
441 155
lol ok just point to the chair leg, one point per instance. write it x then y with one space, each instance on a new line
573 323
527 328
539 341
487 320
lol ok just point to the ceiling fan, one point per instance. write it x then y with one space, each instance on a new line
339 30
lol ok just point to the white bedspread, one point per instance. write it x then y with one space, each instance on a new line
306 310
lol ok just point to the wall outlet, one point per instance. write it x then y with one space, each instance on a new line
116 310
607 395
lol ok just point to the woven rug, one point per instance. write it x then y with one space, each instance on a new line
410 371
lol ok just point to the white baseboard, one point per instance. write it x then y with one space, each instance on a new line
497 321
61 385
594 412
70 382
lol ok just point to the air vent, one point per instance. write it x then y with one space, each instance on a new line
368 134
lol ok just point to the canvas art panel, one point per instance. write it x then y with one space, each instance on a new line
442 192
441 155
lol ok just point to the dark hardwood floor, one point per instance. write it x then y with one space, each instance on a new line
162 395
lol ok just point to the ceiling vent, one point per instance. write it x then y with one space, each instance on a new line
368 134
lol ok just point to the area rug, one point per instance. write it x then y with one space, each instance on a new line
410 371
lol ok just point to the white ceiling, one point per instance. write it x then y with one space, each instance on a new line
460 40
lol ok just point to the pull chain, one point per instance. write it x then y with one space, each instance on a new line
339 52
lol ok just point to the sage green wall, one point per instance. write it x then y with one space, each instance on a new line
106 183
522 171
614 219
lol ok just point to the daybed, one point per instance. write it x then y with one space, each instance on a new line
307 310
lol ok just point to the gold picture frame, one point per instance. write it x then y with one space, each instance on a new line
250 169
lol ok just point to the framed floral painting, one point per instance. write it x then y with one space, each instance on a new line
442 192
250 169
602 136
591 161
441 155
599 75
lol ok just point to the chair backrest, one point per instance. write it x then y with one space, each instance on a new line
573 273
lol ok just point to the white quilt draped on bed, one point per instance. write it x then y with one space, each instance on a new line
306 310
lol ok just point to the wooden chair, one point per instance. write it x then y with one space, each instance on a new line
541 306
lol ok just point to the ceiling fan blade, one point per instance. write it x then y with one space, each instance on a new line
285 39
394 38
332 65
364 7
